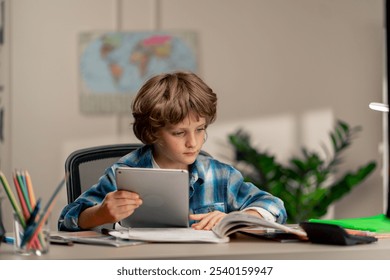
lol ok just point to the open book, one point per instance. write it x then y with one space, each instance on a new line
242 222
231 223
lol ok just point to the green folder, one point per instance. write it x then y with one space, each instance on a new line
377 223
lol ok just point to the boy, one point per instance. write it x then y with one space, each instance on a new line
171 114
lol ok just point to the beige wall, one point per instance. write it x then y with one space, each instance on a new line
285 69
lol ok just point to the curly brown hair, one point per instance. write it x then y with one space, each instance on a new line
168 99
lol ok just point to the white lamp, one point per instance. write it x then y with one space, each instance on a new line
379 107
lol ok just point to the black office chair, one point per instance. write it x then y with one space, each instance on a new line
85 166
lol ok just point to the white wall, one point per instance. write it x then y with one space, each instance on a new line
284 69
5 93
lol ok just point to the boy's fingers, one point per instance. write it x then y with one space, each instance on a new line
197 217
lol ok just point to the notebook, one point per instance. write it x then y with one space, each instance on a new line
165 195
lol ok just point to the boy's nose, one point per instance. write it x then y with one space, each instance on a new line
191 140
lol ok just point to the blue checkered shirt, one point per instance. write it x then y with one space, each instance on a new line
213 186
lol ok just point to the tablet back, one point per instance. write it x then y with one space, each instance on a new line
165 195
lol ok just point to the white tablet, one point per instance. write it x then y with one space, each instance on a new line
165 195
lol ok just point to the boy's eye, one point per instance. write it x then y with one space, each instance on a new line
182 133
178 133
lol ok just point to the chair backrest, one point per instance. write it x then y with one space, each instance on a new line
85 166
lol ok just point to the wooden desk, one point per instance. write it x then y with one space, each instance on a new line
240 247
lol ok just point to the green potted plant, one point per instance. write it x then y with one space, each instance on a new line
307 183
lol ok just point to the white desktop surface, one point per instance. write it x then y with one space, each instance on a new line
240 247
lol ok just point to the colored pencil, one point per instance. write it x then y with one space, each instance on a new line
23 187
12 199
23 204
32 231
26 212
30 188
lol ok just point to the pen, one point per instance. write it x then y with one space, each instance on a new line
33 215
58 240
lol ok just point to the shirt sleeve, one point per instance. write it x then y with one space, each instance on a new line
69 216
243 195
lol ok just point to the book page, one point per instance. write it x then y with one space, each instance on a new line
240 221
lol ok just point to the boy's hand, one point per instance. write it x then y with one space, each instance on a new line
118 205
208 220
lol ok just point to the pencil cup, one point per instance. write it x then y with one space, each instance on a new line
37 245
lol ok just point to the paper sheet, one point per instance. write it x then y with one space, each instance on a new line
169 235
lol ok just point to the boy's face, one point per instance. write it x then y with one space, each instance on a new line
179 145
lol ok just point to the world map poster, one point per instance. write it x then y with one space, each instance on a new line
114 65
